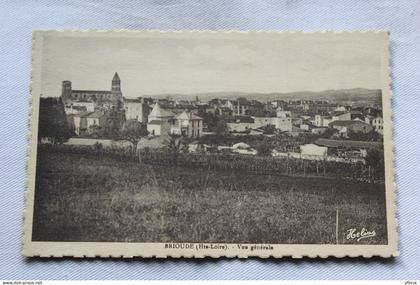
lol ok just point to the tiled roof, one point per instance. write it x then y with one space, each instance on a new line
159 112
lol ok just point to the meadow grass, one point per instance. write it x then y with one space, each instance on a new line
89 198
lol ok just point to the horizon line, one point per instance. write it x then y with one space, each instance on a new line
226 92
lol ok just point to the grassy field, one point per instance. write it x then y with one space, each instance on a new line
88 198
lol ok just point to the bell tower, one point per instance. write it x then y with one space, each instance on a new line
116 91
116 84
66 91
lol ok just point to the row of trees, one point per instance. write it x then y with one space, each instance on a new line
371 136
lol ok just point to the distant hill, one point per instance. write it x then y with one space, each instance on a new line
355 96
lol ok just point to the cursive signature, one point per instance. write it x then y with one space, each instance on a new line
359 235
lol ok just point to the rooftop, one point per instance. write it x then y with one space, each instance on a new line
188 116
132 100
96 114
195 117
82 114
160 112
156 122
338 113
92 91
116 77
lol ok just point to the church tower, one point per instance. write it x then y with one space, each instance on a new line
66 91
116 90
116 84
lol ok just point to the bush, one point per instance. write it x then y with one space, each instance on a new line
264 149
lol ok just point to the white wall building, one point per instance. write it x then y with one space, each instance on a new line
158 121
79 106
378 125
322 121
158 128
313 150
264 121
135 109
284 120
162 122
187 124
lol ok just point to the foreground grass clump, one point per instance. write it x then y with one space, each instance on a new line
87 198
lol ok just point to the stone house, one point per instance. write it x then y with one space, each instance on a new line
378 125
345 126
136 109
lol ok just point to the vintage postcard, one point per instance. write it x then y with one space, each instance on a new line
210 144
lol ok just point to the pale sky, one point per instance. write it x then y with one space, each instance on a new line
198 63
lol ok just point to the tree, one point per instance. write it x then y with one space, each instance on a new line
209 119
53 123
329 132
133 131
95 131
177 144
98 147
114 122
360 136
375 159
264 148
221 128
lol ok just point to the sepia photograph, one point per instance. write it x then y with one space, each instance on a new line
210 143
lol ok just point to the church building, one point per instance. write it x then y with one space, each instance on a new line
101 98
